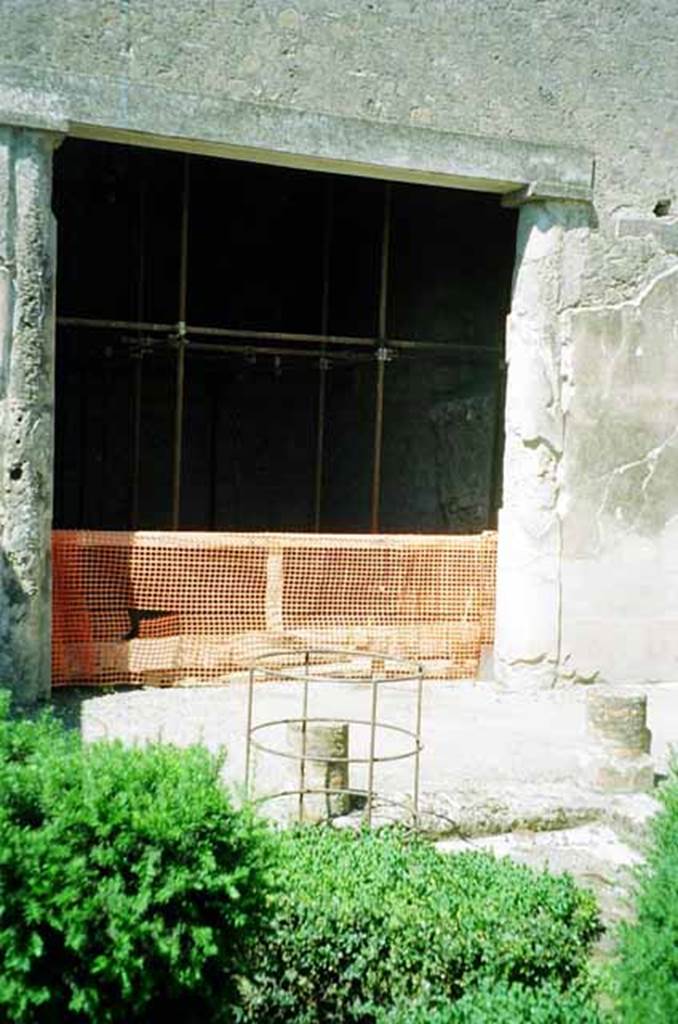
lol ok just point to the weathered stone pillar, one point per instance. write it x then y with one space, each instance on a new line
551 238
327 744
27 290
617 759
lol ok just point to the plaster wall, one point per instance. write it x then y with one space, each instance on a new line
378 86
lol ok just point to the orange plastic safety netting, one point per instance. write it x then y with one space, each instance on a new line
189 608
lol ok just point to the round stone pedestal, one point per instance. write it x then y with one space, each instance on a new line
327 744
618 758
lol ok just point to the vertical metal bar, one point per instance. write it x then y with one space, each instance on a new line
183 266
214 448
83 409
323 364
373 744
248 733
105 446
385 252
417 755
177 433
180 354
137 373
137 390
302 762
320 443
382 356
378 442
327 251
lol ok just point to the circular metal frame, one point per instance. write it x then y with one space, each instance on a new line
344 721
406 671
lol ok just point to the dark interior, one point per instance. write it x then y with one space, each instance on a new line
273 250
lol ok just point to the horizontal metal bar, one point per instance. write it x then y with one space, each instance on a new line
208 349
379 798
201 346
116 325
403 344
315 339
318 759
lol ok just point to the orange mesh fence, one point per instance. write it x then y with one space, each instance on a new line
170 608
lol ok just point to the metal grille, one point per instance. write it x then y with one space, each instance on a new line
189 608
320 669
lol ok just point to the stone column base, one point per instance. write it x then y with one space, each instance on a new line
617 759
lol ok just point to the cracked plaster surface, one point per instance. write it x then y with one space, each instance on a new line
592 462
621 465
620 469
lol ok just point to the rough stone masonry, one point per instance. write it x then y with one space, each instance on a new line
565 109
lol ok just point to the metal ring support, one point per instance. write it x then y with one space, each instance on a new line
383 669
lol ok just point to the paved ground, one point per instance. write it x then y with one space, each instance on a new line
499 770
474 734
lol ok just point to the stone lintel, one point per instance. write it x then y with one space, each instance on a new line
32 107
122 110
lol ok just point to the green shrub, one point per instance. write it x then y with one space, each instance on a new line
370 919
501 1003
130 888
647 972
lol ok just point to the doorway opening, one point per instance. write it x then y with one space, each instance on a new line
247 347
254 351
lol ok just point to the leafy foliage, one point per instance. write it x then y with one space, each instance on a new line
502 1003
647 973
130 888
367 921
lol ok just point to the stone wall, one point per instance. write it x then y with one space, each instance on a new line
26 410
591 502
601 76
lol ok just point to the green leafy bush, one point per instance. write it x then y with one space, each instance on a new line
502 1003
368 920
647 972
130 888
